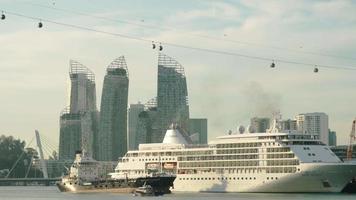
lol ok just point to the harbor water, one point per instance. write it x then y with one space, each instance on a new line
52 193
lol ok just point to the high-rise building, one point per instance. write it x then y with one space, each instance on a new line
259 125
78 122
112 139
134 111
70 133
314 123
172 97
146 123
198 129
332 138
288 125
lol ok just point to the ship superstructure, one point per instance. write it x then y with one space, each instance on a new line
244 162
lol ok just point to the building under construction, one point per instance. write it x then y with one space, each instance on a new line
112 139
172 97
78 122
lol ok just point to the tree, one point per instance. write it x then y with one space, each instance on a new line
13 151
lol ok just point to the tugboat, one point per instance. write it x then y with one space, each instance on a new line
145 190
84 177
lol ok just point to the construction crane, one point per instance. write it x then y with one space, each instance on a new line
352 138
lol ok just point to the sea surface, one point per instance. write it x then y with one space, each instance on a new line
52 193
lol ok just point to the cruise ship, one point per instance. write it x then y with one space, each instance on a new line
275 161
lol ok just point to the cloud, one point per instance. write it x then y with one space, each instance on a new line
228 90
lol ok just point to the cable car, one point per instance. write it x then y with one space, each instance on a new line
153 45
316 70
40 25
273 65
3 16
160 47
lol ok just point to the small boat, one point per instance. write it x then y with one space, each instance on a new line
145 190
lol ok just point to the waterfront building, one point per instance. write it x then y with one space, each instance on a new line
315 124
198 129
289 125
133 119
172 97
78 122
112 137
332 138
259 124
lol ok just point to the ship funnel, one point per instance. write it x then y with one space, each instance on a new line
173 136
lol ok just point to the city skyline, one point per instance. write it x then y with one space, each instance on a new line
33 73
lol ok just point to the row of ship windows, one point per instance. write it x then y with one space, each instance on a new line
229 157
149 159
218 164
234 157
283 155
282 162
227 178
170 153
282 149
290 137
251 144
235 151
156 159
237 163
241 170
303 143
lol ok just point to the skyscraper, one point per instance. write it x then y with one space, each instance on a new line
260 125
134 112
199 129
315 124
289 125
145 127
332 138
70 132
78 122
172 97
112 139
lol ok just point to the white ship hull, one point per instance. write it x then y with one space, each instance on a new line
310 179
255 162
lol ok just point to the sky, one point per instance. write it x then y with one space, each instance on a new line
227 89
